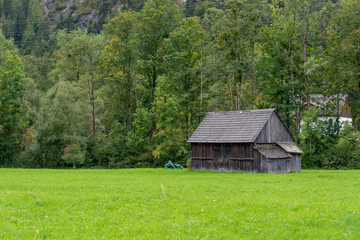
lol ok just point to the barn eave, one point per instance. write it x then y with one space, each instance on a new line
273 152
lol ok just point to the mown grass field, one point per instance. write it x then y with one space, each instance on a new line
178 204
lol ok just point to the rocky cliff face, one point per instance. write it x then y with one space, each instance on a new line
82 12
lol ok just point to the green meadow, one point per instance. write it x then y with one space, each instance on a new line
178 204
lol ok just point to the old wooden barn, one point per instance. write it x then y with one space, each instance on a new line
251 141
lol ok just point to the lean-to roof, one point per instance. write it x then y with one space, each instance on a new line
273 152
290 147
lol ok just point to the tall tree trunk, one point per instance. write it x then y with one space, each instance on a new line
153 87
130 107
90 115
130 88
201 83
92 90
254 90
90 83
239 88
305 59
231 92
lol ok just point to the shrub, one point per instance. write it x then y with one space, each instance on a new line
73 155
348 149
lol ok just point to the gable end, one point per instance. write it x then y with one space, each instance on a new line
274 130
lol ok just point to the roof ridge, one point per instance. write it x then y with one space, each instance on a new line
232 126
251 110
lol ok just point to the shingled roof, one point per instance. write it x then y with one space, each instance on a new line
290 147
272 152
231 127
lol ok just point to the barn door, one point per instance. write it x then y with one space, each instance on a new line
221 156
217 156
226 156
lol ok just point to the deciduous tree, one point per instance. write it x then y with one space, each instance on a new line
12 109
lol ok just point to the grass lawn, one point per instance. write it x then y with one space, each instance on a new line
178 204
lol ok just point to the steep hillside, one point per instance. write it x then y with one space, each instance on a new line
82 13
35 20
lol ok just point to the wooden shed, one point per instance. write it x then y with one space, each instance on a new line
251 141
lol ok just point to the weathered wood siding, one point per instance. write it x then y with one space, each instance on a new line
202 156
278 165
295 163
262 163
239 157
223 157
274 165
274 131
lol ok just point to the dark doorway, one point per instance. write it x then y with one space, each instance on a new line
222 155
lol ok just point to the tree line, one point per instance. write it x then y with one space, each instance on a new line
132 94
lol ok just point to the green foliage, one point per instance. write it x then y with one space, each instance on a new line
20 17
158 19
311 135
142 129
119 65
190 8
343 51
328 145
177 105
63 121
71 59
171 127
12 109
234 31
134 94
73 154
278 62
348 149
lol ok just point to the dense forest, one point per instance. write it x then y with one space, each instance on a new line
113 84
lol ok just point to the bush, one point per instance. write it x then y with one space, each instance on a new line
348 149
326 146
73 155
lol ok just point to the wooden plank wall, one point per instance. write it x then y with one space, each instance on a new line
242 158
278 165
223 157
274 131
202 156
239 157
295 164
261 162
